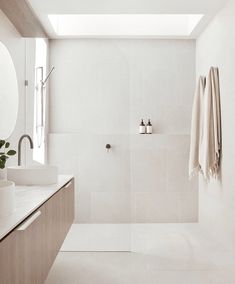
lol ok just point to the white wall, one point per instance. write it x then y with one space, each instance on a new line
22 51
216 47
16 46
99 92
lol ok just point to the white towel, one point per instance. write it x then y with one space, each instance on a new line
196 127
211 144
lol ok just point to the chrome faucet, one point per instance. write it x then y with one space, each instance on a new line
19 146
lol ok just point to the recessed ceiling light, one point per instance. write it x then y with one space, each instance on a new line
124 24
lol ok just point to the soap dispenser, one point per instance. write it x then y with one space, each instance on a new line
149 127
142 127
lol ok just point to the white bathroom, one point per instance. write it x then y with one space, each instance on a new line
117 142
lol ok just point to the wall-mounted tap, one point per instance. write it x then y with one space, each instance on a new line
19 146
108 147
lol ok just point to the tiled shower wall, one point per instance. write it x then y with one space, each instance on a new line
99 92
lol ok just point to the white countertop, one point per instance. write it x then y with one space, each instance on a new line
28 199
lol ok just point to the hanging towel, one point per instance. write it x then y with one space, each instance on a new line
196 127
211 144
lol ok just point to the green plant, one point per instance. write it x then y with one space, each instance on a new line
5 153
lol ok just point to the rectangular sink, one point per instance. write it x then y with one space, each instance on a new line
32 175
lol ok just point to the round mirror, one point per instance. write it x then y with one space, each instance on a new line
8 93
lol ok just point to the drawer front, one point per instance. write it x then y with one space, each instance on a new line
9 260
27 254
22 251
30 246
60 216
60 212
69 201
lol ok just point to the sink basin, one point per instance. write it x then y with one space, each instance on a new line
7 197
33 175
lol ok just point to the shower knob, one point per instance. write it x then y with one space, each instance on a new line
108 146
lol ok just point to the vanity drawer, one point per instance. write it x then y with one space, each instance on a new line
22 252
27 253
9 260
60 216
31 239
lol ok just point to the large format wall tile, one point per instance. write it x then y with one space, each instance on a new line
83 206
188 202
89 88
177 119
162 82
100 170
151 207
110 207
96 171
99 92
161 190
148 163
86 157
177 164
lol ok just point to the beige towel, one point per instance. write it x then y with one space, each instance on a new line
196 127
210 148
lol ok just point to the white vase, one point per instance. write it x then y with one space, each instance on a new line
3 174
7 197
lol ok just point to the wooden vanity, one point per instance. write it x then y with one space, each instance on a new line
28 251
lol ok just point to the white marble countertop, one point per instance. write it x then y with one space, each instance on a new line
28 199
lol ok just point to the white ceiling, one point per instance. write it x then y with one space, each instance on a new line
43 8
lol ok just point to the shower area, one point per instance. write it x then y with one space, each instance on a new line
99 92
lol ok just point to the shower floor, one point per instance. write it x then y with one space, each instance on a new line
154 254
98 237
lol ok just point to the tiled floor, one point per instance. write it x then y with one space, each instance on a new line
163 254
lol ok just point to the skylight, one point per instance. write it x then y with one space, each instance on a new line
89 25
